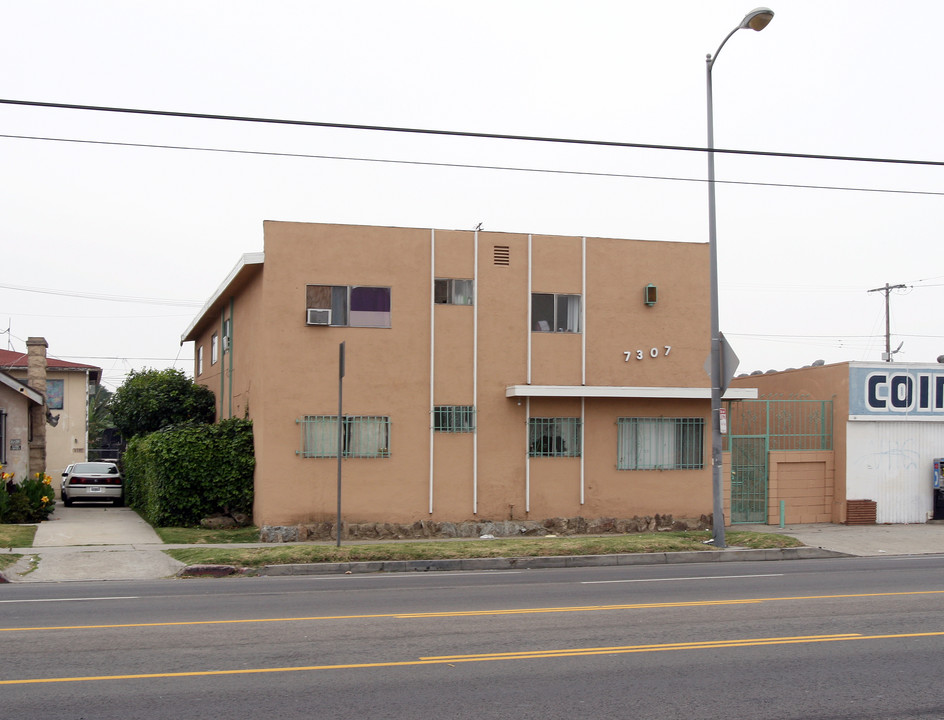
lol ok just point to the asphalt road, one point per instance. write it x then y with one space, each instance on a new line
813 639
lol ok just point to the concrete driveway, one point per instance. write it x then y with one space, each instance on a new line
93 541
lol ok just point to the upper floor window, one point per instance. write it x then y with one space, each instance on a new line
200 360
661 443
55 394
553 312
454 418
448 291
348 306
214 349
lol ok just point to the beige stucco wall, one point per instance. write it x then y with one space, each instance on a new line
805 482
283 370
16 407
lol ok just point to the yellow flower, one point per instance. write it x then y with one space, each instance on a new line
47 480
45 499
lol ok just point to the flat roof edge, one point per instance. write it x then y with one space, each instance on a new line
619 391
256 258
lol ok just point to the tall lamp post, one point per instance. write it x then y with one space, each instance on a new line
756 19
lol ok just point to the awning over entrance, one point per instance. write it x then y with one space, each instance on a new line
619 391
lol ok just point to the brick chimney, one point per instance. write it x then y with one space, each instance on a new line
36 379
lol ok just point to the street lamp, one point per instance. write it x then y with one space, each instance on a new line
756 19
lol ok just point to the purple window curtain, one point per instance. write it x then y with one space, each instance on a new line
370 299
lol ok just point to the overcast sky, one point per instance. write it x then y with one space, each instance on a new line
110 247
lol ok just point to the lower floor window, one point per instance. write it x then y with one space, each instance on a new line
661 443
361 436
554 437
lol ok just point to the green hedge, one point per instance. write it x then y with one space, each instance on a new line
178 476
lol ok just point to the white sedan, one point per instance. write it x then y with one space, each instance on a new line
92 481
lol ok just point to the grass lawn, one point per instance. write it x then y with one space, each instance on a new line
458 549
204 536
17 536
12 536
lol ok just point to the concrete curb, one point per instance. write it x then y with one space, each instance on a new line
557 561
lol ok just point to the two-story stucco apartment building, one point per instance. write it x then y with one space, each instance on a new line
486 376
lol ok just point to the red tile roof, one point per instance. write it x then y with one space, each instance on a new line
12 360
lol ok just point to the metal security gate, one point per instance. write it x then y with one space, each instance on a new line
749 479
755 427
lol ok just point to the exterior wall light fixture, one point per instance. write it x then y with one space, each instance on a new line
650 294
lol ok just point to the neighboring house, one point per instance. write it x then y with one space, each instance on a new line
887 426
487 375
16 401
65 387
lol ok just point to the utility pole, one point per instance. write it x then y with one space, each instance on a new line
887 355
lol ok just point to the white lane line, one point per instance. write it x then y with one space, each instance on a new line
404 574
82 599
705 577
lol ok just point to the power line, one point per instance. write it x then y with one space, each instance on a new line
124 357
424 163
456 133
99 296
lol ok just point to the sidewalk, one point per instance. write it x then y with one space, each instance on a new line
93 542
107 543
864 540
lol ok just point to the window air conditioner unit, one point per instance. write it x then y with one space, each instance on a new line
318 317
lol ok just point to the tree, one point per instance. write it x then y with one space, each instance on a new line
99 416
151 400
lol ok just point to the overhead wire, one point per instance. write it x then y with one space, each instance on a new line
475 166
457 133
102 296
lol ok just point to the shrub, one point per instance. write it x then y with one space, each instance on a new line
177 476
32 500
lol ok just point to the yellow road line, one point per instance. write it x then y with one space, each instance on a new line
488 657
474 613
661 646
579 608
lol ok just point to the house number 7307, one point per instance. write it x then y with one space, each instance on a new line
653 353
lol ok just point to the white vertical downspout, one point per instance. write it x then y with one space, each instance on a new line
527 406
527 455
432 357
583 314
583 367
583 448
529 312
475 375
